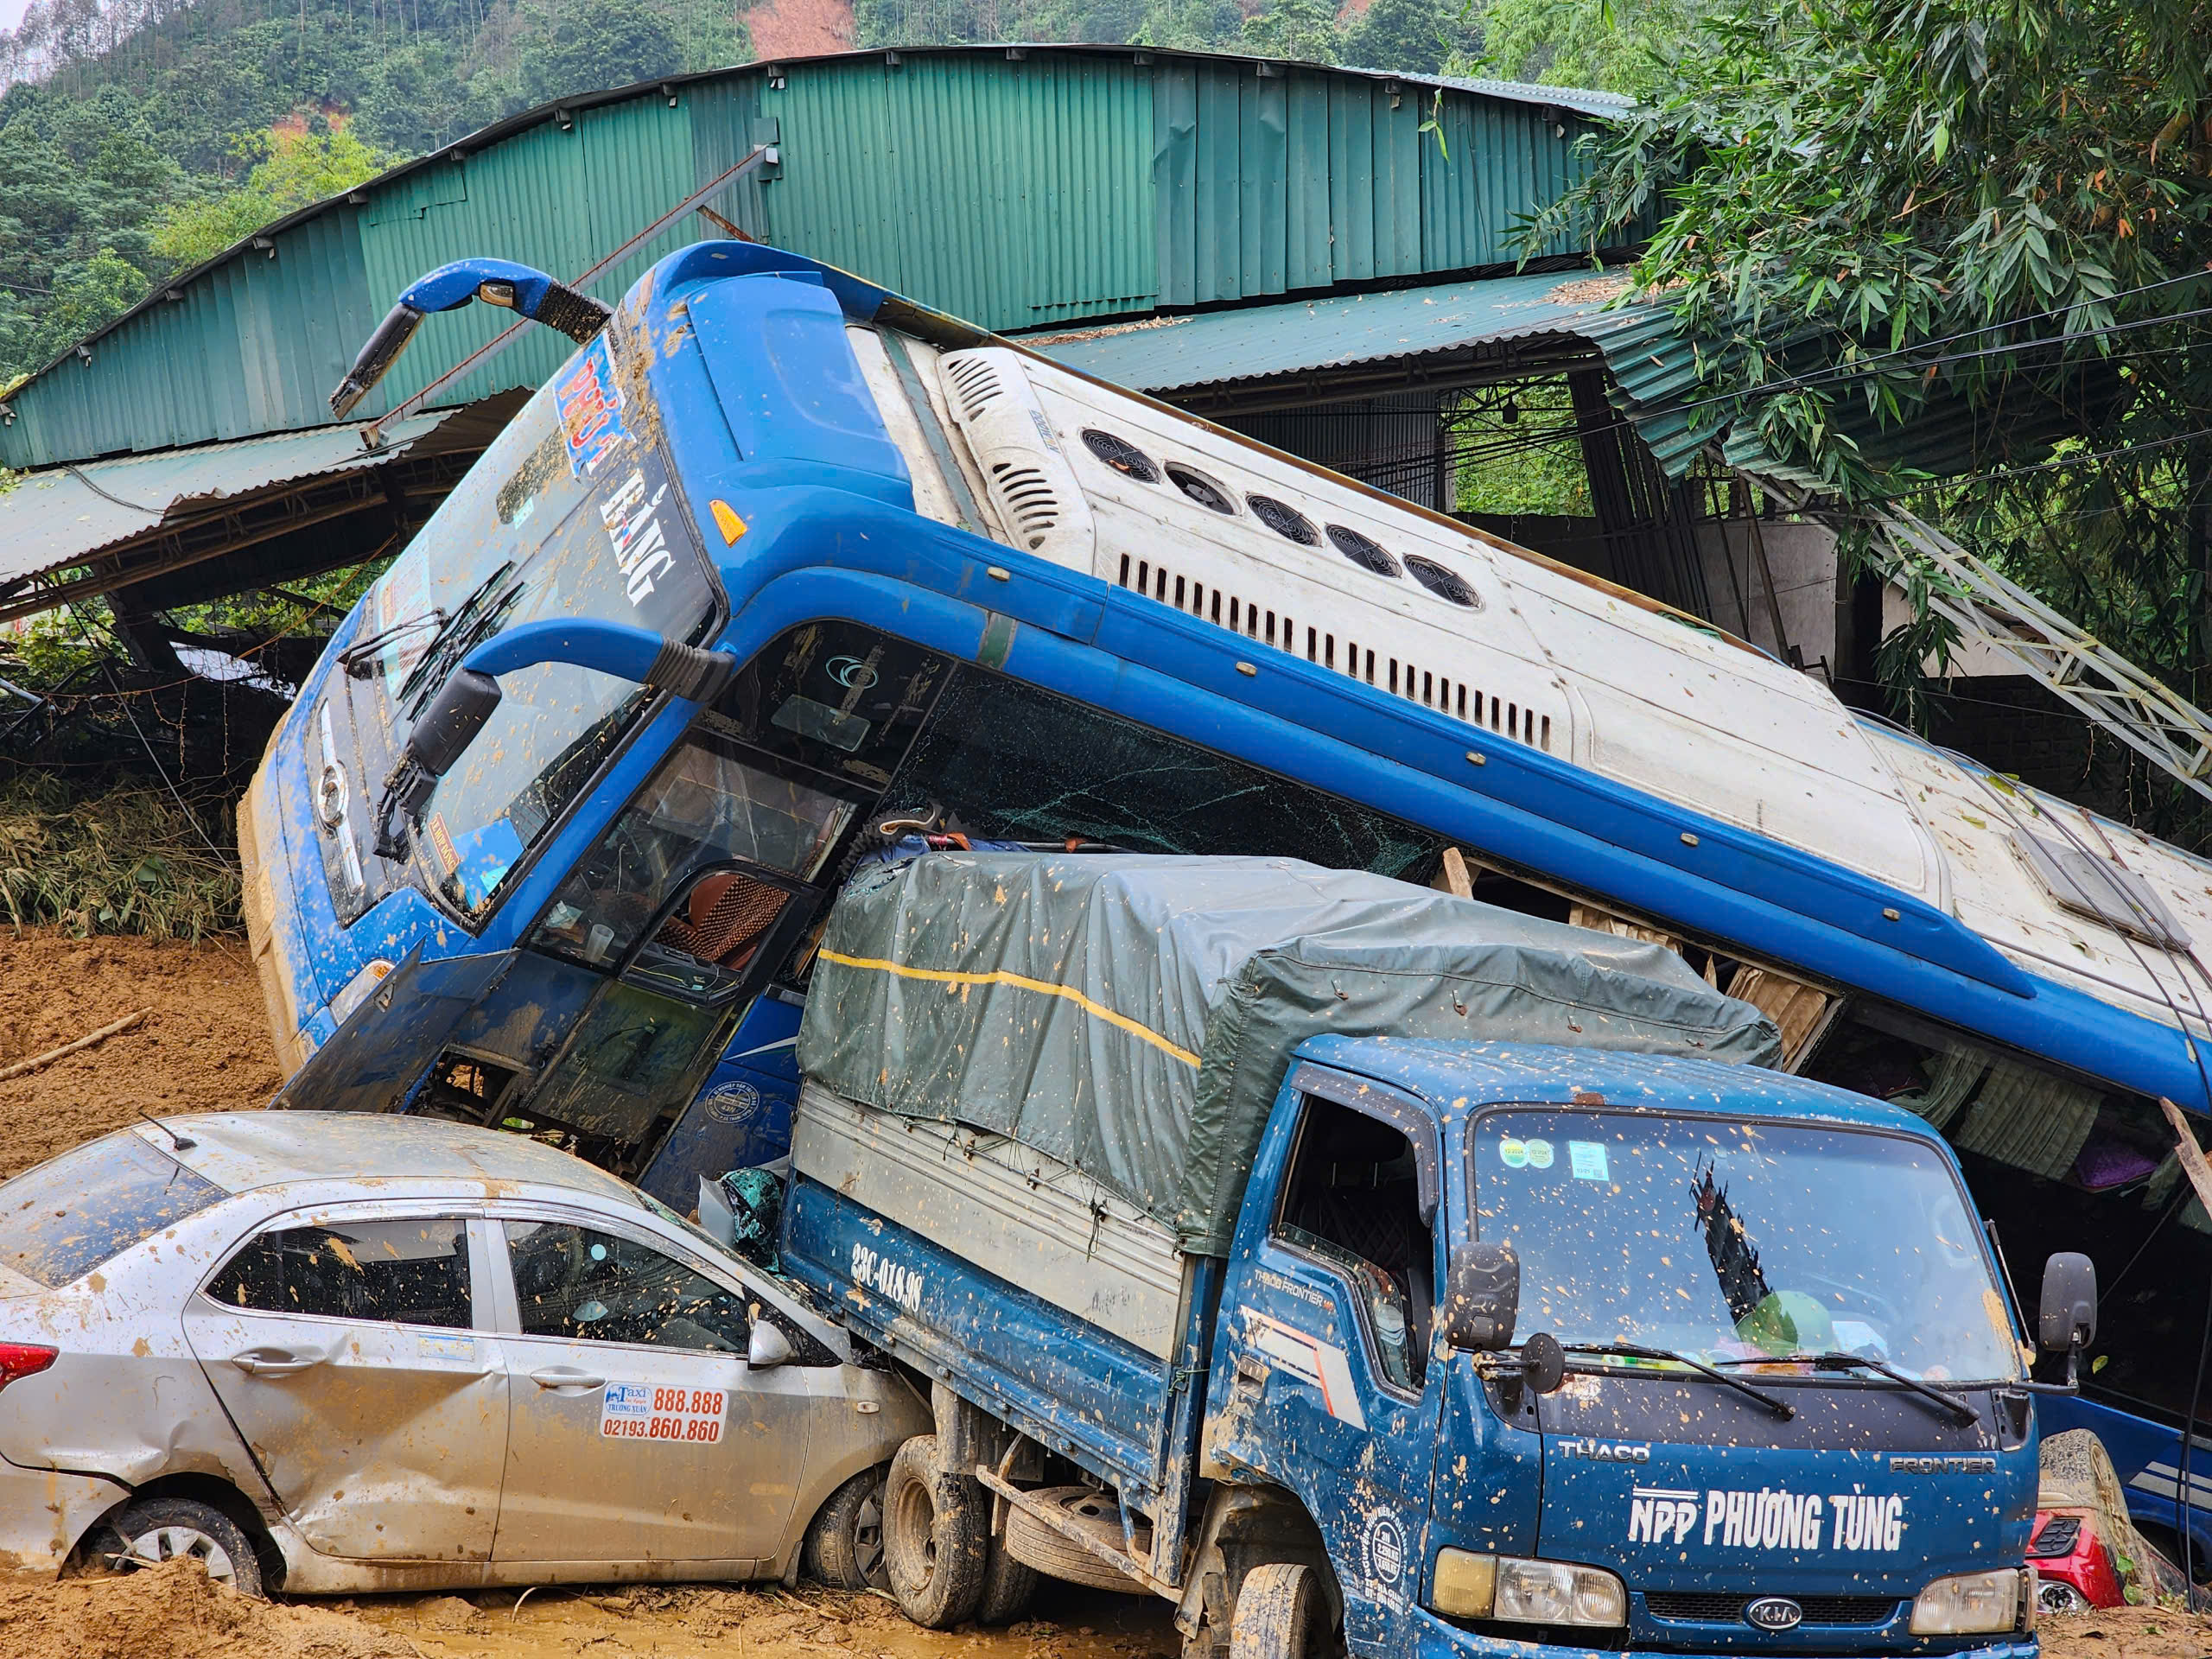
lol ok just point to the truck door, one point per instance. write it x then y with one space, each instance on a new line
1328 1308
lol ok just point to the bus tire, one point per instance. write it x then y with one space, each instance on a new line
1281 1613
844 1545
935 1537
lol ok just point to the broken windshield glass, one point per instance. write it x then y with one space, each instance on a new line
1010 762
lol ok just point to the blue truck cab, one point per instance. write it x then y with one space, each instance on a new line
1518 1349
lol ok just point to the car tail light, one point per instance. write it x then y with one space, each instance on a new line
21 1359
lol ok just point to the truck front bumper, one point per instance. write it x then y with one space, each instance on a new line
1434 1638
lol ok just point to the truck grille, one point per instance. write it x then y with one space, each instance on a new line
1701 1607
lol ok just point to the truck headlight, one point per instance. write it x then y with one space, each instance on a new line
1971 1603
356 990
1507 1587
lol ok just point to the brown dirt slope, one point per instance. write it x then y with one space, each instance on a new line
2128 1633
203 1046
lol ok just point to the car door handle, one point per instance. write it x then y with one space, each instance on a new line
274 1362
566 1377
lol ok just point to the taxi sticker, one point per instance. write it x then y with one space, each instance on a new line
1587 1158
651 1411
1513 1153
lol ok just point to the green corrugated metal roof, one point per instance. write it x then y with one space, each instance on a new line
56 518
1263 341
1069 182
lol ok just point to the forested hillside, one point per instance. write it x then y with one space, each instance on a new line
139 136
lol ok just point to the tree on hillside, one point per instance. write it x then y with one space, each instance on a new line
1617 46
295 170
84 181
1879 203
1419 37
1303 30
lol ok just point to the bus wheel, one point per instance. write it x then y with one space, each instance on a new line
1281 1613
935 1537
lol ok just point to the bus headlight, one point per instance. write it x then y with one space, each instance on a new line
1971 1603
1509 1588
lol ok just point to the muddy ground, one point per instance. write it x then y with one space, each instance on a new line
204 1046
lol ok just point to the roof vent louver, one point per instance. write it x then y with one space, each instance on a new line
2103 889
1034 492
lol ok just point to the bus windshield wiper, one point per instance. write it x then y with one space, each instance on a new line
475 616
1961 1412
1781 1409
356 658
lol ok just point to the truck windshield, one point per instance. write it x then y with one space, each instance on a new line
569 513
1735 1241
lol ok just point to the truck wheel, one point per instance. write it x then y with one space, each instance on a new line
1281 1613
935 1537
844 1546
1008 1587
169 1528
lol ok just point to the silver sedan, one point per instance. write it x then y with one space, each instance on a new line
337 1353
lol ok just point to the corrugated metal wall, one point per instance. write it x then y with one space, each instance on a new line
1014 192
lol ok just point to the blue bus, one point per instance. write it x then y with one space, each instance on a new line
781 569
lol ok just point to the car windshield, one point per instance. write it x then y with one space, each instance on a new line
1740 1243
82 1210
570 513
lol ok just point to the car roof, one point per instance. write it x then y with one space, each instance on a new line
1447 1074
242 1151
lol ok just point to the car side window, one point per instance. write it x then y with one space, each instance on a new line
1352 1201
405 1272
584 1285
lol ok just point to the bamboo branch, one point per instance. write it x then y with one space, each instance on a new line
38 1061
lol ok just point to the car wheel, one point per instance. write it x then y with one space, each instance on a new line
173 1528
1281 1613
935 1537
844 1546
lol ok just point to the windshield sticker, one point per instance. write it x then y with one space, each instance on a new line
1540 1154
1767 1519
1514 1154
632 521
1587 1158
590 402
1310 1360
645 1411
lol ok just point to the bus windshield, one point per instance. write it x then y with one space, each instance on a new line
1746 1244
570 513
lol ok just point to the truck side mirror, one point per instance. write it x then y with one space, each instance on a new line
1482 1296
2069 1317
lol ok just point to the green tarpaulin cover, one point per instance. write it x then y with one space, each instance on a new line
1134 1016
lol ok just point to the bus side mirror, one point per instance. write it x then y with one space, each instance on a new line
450 724
2068 1316
1482 1296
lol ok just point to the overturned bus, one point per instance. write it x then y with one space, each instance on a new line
780 567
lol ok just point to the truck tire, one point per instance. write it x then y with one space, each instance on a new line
1030 1540
1281 1613
844 1545
1009 1585
935 1537
170 1528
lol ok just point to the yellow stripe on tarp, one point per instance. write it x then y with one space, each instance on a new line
1020 981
